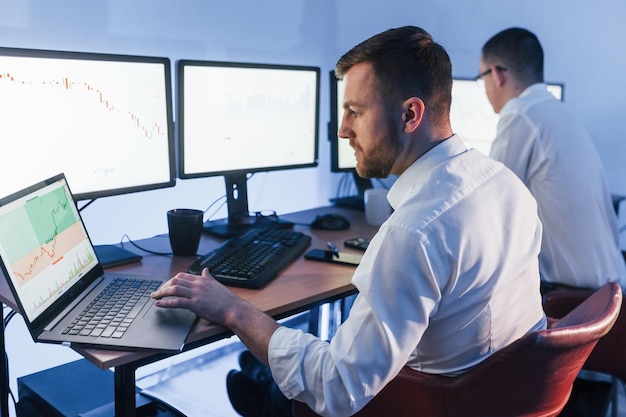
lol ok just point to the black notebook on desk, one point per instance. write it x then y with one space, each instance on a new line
55 276
111 255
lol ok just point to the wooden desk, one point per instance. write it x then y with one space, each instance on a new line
301 286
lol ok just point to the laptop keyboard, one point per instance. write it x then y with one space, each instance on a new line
111 313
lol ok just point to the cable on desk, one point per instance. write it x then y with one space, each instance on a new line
144 249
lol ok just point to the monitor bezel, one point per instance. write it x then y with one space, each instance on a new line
180 114
333 125
110 57
561 85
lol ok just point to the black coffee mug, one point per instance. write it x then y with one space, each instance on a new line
185 229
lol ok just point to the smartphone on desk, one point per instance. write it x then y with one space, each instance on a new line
333 257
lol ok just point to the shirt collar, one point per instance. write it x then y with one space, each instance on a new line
416 172
533 89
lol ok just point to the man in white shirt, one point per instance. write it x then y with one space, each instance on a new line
546 145
451 277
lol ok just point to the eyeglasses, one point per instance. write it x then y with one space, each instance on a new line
479 77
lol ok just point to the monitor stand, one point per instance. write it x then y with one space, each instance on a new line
356 202
239 218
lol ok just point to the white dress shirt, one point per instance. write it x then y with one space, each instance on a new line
547 146
450 277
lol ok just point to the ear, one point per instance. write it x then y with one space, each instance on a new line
499 76
413 114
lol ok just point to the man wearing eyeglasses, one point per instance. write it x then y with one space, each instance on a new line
541 140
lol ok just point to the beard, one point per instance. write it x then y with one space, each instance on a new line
379 160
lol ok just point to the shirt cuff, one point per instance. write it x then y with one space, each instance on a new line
286 359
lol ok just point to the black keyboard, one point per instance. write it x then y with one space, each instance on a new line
253 258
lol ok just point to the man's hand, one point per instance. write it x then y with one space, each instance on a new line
201 294
214 302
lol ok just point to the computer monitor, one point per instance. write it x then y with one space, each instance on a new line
104 120
472 116
341 154
235 119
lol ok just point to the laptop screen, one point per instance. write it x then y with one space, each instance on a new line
43 244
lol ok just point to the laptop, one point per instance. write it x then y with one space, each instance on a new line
52 269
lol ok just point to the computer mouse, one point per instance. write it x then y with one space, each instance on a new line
330 222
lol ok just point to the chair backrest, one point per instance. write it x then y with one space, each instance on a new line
533 376
609 355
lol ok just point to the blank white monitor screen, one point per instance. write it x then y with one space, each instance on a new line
104 120
236 117
472 116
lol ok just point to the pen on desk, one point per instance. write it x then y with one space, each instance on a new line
333 248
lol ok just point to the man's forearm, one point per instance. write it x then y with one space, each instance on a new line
253 327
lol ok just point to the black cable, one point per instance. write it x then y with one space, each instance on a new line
223 199
5 322
339 184
8 318
344 186
6 358
144 249
348 185
302 224
87 204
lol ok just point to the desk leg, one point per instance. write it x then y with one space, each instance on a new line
346 305
125 391
4 370
314 321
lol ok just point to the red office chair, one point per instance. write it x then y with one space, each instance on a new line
609 355
533 376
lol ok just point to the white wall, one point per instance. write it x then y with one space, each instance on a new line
583 43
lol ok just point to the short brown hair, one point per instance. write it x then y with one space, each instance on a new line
407 62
